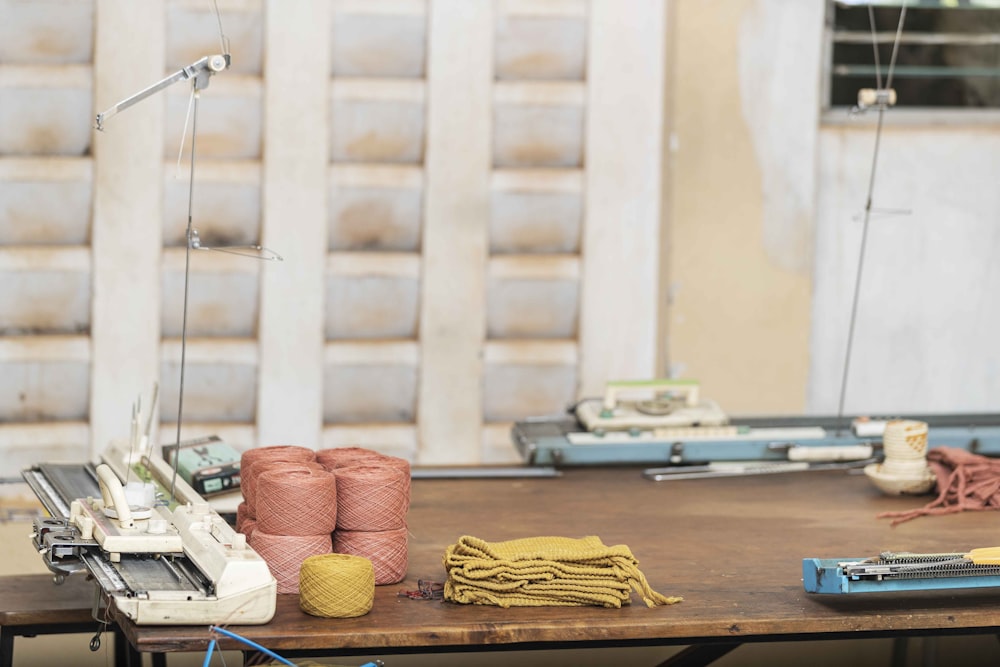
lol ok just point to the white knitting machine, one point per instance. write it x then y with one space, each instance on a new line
152 544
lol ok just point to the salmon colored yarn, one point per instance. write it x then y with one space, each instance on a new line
386 549
965 481
341 457
372 497
399 463
289 453
247 527
243 512
284 554
258 468
296 500
277 452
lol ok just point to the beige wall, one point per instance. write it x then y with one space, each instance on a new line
739 310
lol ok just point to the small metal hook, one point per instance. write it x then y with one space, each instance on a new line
255 251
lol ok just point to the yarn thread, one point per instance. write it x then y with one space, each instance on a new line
284 554
344 457
336 586
341 457
372 497
247 527
260 467
386 549
296 500
965 482
243 512
272 454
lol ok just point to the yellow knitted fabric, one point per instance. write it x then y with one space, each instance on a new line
545 571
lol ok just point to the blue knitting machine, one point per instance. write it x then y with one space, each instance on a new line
979 568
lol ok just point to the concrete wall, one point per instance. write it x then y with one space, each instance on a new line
745 102
767 199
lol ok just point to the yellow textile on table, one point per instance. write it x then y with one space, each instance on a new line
545 571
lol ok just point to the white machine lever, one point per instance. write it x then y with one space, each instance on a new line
114 495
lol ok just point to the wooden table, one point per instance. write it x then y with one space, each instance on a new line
732 547
33 605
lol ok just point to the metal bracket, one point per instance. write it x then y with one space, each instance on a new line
200 70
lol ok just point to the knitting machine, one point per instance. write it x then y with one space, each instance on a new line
979 568
666 423
153 545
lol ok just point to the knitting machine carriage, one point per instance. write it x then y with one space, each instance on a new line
890 572
152 544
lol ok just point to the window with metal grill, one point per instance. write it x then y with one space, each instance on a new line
948 54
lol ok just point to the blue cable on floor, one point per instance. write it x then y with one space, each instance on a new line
208 653
252 644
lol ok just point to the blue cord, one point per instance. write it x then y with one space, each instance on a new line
208 653
252 644
211 647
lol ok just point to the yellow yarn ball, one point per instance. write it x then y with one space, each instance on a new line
336 586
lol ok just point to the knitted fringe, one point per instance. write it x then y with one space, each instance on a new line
545 571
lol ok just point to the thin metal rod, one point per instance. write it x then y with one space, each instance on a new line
867 218
858 277
878 68
187 275
895 46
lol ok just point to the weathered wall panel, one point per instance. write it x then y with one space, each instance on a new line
44 302
38 391
46 31
44 121
418 165
45 213
378 44
369 393
375 219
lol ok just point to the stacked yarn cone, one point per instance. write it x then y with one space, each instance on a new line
373 497
346 500
904 469
288 509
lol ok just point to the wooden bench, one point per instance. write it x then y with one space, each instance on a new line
33 604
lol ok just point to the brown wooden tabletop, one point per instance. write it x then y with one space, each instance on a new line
35 599
732 547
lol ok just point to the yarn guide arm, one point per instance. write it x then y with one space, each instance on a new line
199 72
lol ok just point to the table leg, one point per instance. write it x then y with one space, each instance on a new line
698 655
129 657
6 648
900 648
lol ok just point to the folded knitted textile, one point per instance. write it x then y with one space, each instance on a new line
965 481
545 571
